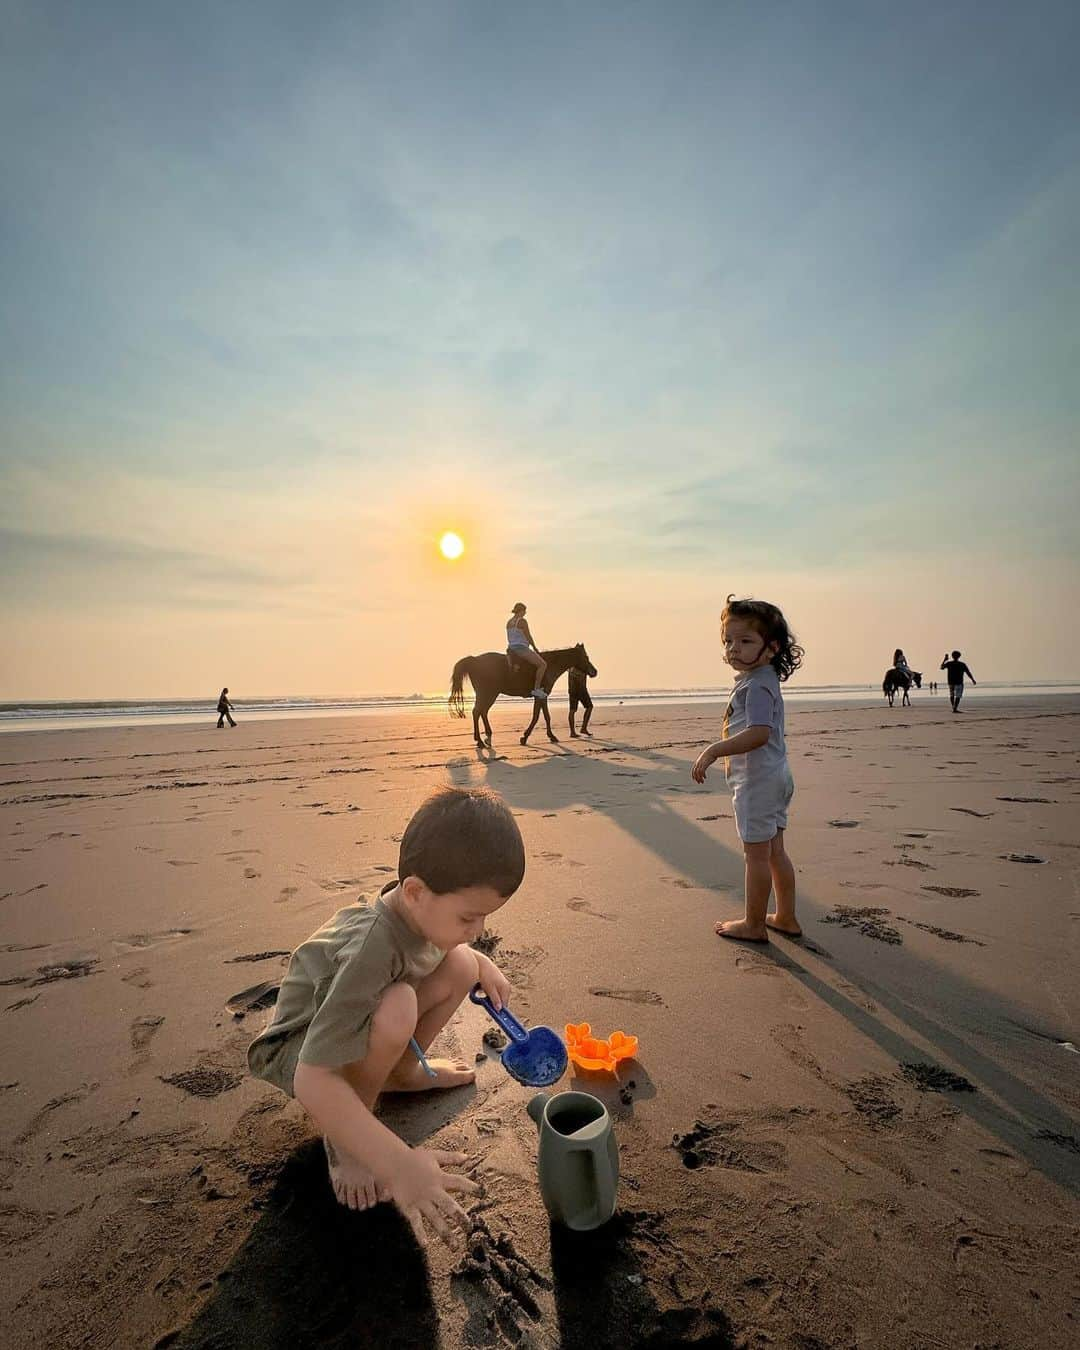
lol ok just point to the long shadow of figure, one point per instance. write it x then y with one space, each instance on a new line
1031 1123
314 1273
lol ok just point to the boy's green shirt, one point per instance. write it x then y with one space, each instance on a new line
332 987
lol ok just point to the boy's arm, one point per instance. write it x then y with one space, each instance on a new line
415 1178
969 674
944 664
753 738
493 982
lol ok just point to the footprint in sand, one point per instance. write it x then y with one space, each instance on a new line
1021 857
953 892
967 811
629 995
710 1144
581 906
255 956
287 893
1042 801
204 1081
137 941
255 998
182 862
142 1032
720 816
250 874
844 824
138 978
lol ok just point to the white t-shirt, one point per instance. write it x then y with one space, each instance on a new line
756 701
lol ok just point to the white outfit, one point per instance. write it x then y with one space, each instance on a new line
761 783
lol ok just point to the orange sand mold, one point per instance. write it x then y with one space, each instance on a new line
589 1052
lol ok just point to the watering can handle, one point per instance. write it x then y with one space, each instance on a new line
605 1185
503 1016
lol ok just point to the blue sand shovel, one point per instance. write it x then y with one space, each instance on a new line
536 1058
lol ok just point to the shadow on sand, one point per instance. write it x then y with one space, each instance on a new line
314 1273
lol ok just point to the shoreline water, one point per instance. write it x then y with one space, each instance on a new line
49 715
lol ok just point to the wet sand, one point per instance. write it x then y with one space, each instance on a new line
877 1137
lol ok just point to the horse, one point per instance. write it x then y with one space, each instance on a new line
491 675
896 679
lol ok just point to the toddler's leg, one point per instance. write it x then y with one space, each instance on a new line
751 928
783 880
436 999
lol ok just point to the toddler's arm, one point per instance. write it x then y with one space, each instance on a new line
493 982
414 1176
753 738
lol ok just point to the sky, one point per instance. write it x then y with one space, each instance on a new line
651 303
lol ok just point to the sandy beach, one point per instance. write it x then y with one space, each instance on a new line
877 1133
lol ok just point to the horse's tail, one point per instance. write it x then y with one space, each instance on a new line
456 701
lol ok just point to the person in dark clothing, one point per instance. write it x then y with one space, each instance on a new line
955 670
224 708
577 683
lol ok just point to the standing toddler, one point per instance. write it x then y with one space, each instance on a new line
760 648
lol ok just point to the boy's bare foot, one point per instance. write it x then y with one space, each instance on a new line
449 1073
788 926
353 1184
742 931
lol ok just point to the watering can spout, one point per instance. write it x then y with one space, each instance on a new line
536 1106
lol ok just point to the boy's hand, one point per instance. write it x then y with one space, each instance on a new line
701 765
422 1193
493 982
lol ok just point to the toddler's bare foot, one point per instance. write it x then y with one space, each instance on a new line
353 1184
741 930
788 926
449 1073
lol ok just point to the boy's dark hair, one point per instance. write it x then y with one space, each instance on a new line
462 837
771 624
956 656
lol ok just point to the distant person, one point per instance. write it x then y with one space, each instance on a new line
366 994
955 670
900 661
224 708
577 683
762 651
521 647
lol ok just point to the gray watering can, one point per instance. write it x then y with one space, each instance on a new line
578 1158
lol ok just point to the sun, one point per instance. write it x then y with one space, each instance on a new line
451 545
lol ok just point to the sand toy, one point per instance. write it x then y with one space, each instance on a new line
536 1058
578 1158
590 1052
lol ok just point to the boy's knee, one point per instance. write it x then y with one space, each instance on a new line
460 968
757 852
395 1017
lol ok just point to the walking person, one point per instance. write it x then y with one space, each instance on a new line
577 683
224 708
955 670
521 647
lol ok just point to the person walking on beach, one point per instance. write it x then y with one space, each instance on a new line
521 647
224 708
955 670
366 994
577 683
762 650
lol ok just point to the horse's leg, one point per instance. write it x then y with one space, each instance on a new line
487 724
476 720
537 705
547 720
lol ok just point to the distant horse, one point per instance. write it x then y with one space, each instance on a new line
896 680
491 675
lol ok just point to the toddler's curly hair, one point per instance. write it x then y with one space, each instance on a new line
773 627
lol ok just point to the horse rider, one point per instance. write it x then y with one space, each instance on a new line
521 647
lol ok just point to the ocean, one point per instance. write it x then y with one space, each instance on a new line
29 715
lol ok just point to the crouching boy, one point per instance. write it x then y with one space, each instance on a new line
376 976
